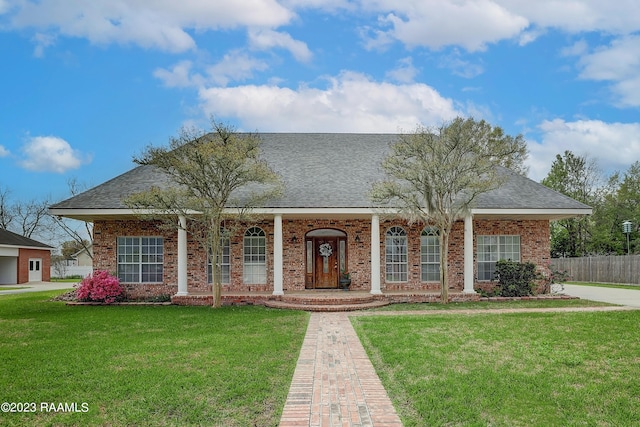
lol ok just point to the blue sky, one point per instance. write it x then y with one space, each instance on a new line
86 85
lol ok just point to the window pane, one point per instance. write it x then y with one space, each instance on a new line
255 258
309 257
140 259
430 255
494 248
396 255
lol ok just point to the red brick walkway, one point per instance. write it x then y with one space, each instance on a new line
334 383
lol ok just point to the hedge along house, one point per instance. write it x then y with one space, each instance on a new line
324 225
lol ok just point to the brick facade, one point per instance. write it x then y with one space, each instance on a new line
534 247
25 255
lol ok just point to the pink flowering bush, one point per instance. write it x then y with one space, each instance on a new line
100 287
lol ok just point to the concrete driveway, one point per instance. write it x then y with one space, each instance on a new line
611 295
35 287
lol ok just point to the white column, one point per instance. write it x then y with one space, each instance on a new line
375 255
277 256
468 255
182 256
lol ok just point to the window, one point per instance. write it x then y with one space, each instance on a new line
224 262
140 259
430 255
396 255
494 248
255 256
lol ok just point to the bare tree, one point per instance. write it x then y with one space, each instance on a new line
6 210
83 235
31 216
215 177
435 175
27 218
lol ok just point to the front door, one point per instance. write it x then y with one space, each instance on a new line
35 269
326 262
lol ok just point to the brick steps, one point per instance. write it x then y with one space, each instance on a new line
326 307
327 301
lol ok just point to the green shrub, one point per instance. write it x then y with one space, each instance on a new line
515 279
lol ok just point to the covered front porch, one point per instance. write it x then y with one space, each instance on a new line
309 251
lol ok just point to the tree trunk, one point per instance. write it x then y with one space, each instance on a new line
217 294
444 267
215 252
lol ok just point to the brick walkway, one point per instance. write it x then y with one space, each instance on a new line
334 383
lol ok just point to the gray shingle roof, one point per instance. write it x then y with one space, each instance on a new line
12 239
325 171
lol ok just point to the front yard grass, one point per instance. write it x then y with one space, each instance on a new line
520 369
607 285
493 305
132 365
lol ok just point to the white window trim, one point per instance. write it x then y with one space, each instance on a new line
429 232
140 263
500 255
250 267
403 276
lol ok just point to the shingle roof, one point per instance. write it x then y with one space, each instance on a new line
325 171
12 239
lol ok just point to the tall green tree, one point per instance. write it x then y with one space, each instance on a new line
215 177
434 175
606 220
579 178
627 206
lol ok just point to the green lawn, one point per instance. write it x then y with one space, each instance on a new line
606 285
492 305
159 366
542 369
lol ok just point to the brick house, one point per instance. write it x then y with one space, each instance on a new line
23 260
322 226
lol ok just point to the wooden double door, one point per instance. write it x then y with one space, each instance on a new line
326 259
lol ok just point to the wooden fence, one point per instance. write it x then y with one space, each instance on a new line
601 269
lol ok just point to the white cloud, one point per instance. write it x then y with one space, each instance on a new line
615 146
42 41
147 23
326 5
619 63
178 76
579 48
579 15
51 154
234 66
4 152
530 35
267 39
404 72
471 24
4 6
437 23
627 92
459 66
351 102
